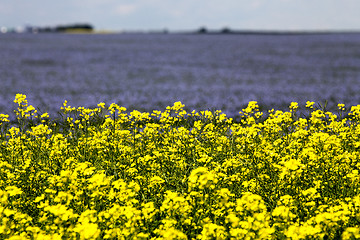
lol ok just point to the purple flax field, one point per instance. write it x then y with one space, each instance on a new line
152 71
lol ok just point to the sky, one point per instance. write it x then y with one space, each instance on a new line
179 15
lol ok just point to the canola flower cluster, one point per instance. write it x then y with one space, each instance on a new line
103 173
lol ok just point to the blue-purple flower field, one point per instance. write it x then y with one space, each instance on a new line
152 71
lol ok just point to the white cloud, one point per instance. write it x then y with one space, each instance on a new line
125 9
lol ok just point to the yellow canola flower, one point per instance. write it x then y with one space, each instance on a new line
44 115
40 130
149 210
284 213
310 104
111 174
101 105
13 190
250 202
202 178
156 180
175 203
4 118
177 106
170 233
20 99
341 106
212 231
351 233
293 106
304 231
292 164
61 211
87 230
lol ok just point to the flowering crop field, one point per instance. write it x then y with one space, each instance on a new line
105 173
147 72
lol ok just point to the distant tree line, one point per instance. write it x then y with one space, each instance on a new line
62 28
65 28
204 30
226 30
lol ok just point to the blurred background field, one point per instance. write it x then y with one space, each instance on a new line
203 71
